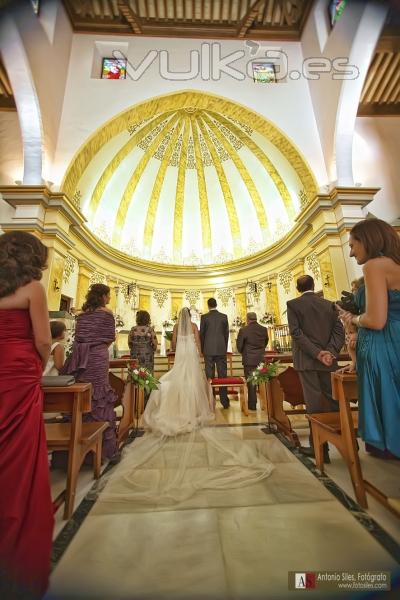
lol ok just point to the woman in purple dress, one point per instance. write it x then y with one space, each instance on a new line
89 361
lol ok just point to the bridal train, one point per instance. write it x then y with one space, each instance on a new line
182 453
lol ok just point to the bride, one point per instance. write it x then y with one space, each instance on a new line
182 402
181 454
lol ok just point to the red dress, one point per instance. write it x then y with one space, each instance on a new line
26 515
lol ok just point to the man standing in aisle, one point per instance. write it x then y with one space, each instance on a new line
214 335
318 337
251 342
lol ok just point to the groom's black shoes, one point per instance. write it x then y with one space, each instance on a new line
225 404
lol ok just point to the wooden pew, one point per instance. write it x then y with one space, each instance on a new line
121 363
286 387
76 437
340 429
128 396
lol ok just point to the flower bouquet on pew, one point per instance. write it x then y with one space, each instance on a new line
264 372
142 377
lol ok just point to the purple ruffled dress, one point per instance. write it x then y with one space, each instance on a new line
89 363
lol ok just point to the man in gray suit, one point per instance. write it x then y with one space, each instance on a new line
318 337
214 335
251 342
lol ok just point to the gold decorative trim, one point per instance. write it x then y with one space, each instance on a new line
180 192
226 191
118 158
69 267
201 183
156 191
160 296
313 264
285 279
264 160
173 102
134 180
245 175
225 294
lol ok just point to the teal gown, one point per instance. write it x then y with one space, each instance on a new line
378 370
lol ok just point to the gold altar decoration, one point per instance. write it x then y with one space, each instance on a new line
313 264
144 300
129 292
285 279
241 308
160 296
272 298
55 279
97 277
304 199
192 296
225 294
327 277
69 267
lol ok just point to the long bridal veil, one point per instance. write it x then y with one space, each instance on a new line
183 453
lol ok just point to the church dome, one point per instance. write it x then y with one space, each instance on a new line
189 179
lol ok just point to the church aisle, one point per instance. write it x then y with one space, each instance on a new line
238 543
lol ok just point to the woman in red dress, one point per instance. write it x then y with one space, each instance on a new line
26 515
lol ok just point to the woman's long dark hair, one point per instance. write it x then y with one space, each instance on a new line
378 238
23 259
94 297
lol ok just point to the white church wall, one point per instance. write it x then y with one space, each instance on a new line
334 98
376 150
91 101
47 42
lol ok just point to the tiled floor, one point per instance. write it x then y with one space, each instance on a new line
232 544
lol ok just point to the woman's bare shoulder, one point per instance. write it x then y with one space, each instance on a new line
194 327
380 263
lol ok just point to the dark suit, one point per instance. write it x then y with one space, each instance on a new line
214 335
314 326
251 342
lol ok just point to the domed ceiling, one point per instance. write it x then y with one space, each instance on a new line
189 179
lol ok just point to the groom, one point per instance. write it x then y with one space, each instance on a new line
214 335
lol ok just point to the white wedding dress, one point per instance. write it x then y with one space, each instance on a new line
183 454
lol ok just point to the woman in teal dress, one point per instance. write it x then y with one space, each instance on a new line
376 245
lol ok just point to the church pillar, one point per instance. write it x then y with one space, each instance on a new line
331 217
176 303
112 283
240 301
84 274
144 299
56 261
272 299
297 268
48 215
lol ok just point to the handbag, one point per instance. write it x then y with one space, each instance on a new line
57 380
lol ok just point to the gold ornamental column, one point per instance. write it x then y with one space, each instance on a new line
56 262
112 283
176 303
144 299
297 268
85 272
272 298
327 274
240 300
